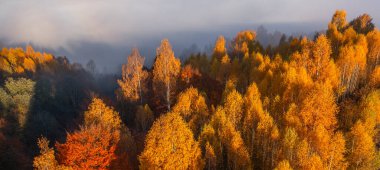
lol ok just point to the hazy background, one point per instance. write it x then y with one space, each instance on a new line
105 30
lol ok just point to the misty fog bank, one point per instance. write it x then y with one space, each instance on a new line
109 57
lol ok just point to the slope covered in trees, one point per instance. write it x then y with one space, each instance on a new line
304 104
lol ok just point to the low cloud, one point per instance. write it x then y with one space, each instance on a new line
56 24
105 30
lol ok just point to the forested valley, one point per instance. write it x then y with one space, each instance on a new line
307 103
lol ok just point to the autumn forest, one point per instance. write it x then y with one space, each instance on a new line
306 103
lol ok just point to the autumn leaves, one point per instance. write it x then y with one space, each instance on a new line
313 105
166 70
93 146
18 61
133 83
170 144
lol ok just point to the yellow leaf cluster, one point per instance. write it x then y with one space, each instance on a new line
170 145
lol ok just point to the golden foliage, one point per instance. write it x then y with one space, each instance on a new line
305 104
284 165
233 107
133 77
29 65
220 48
220 62
166 69
237 153
46 159
188 72
362 150
210 157
321 52
253 112
243 41
191 105
373 58
374 79
170 145
339 19
318 108
100 114
16 60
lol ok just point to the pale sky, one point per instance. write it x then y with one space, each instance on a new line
56 22
60 23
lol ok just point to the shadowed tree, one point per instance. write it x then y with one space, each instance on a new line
220 61
144 117
363 24
373 39
16 97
